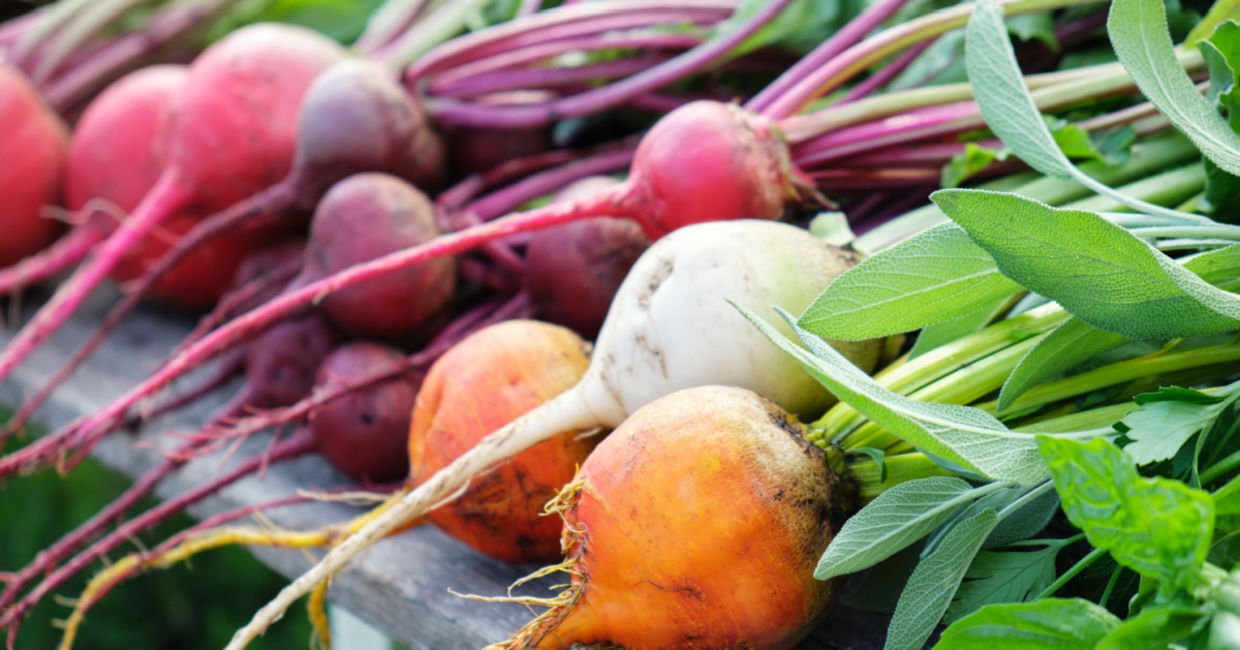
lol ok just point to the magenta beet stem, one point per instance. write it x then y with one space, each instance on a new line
887 73
164 198
911 126
546 26
298 444
64 253
529 115
540 78
778 100
459 80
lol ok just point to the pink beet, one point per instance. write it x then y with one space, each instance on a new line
33 142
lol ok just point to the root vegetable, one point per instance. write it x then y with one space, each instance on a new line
33 144
231 135
497 374
574 269
696 524
364 217
364 433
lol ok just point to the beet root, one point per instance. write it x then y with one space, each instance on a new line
366 216
33 146
492 376
703 517
364 433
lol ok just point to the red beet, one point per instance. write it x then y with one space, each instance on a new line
364 433
281 364
574 270
367 216
232 134
33 142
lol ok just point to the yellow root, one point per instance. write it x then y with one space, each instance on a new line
212 539
317 606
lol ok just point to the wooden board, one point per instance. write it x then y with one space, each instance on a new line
400 586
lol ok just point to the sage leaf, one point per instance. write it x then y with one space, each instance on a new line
929 278
1139 35
1003 577
963 435
933 584
897 518
1071 342
1048 624
1098 271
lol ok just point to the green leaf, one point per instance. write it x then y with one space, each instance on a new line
898 517
1071 342
342 20
1220 11
1222 194
929 278
1028 27
1221 53
1048 624
937 334
1029 520
1001 94
1157 527
798 27
963 435
1003 577
1159 428
1153 629
934 582
1138 31
964 166
1098 271
1227 498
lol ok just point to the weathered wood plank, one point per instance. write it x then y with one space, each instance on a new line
400 586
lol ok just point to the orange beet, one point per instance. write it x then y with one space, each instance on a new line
487 379
696 524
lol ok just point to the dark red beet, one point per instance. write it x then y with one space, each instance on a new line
364 433
356 118
281 364
573 270
367 216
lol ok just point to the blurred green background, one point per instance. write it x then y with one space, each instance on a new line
192 606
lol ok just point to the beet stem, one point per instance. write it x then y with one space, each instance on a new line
680 66
275 198
64 253
774 99
889 72
296 445
164 198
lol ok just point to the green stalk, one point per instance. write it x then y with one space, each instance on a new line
1120 372
1100 417
900 468
1071 573
893 41
1168 188
430 30
905 376
1148 157
969 383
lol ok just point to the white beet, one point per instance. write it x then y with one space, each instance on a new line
670 327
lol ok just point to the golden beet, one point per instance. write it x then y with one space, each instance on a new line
479 385
696 524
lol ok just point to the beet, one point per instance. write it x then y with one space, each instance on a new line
574 270
33 143
366 216
364 433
